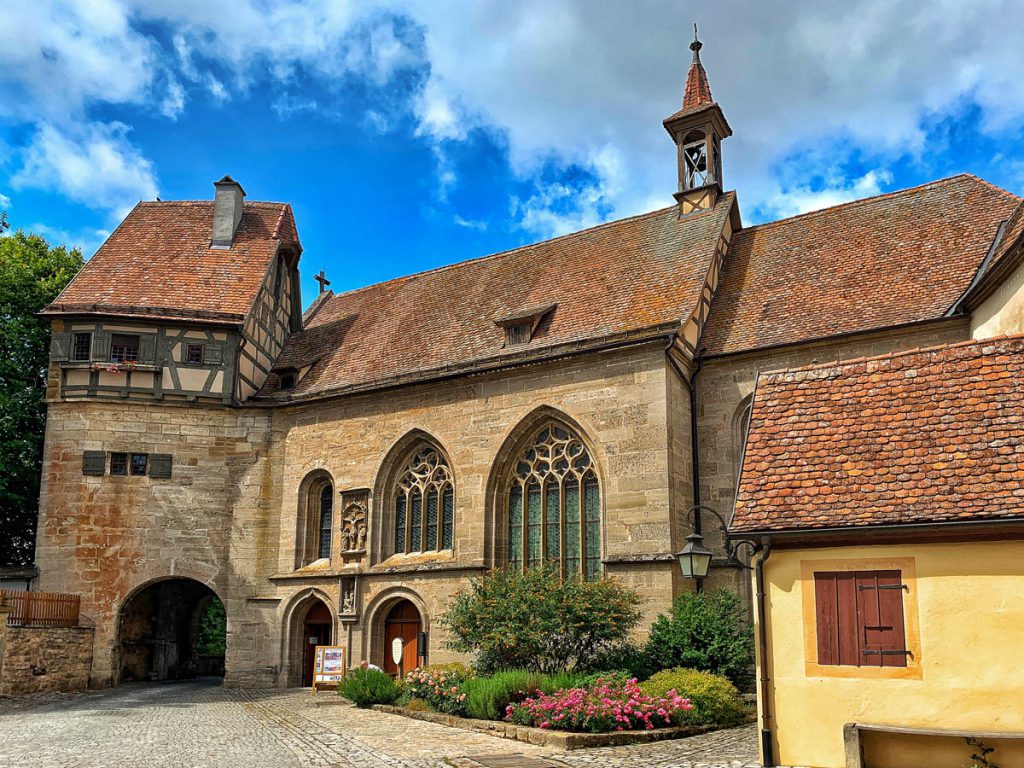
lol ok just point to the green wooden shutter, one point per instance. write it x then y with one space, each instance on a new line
214 354
147 349
160 465
60 346
94 463
101 346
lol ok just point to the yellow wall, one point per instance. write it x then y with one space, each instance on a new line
1002 313
966 606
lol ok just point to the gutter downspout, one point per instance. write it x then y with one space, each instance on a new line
691 385
764 674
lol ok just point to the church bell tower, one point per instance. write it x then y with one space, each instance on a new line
697 130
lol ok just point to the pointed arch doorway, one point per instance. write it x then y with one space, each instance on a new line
402 623
316 630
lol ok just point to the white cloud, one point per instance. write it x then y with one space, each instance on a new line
791 201
94 165
478 225
5 202
173 103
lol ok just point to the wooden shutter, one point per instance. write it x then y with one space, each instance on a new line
859 618
94 463
160 465
147 349
101 346
60 346
883 641
213 354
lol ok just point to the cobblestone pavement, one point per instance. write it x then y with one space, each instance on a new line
202 725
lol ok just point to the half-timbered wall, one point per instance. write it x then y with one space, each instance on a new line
162 370
267 328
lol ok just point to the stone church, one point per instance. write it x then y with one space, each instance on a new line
335 475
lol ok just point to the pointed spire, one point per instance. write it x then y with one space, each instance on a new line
698 92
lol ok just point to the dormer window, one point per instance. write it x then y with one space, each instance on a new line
517 334
522 325
286 378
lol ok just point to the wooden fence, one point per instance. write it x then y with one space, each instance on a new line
41 609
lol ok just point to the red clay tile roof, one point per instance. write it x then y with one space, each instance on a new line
158 263
698 91
614 280
896 258
918 437
1007 256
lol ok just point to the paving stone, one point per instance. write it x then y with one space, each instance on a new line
203 725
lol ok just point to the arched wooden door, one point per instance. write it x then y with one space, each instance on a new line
402 622
316 631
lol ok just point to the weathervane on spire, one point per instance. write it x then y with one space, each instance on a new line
696 45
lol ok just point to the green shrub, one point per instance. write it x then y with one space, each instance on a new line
537 621
715 700
488 697
418 705
559 681
707 631
366 687
627 658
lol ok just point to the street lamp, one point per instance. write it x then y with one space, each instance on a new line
695 559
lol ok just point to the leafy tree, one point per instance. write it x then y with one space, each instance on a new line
31 275
213 629
536 621
707 631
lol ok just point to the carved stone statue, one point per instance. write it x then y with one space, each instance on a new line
348 599
353 532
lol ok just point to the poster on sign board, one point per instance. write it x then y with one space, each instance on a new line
329 666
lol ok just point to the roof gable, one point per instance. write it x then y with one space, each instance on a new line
159 263
614 280
897 258
917 437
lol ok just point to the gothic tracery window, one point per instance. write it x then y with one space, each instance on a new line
424 503
554 506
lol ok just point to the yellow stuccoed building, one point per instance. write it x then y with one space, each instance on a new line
886 498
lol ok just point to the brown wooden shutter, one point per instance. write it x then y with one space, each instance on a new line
882 638
94 463
835 597
147 349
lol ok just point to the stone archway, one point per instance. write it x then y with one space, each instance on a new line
162 634
309 622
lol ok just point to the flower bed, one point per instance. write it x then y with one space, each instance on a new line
610 705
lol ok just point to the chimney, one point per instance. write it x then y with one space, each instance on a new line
227 211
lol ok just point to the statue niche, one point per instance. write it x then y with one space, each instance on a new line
353 529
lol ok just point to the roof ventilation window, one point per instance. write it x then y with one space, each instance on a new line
520 326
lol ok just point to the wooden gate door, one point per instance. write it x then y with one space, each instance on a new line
403 622
317 632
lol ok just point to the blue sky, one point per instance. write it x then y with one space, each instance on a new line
410 134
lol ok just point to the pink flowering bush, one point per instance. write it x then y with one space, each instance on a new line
610 705
440 686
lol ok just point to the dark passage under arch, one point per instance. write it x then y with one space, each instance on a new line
171 630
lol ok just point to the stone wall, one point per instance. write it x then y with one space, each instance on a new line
724 387
44 659
106 537
617 401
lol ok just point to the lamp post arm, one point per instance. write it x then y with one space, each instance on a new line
731 545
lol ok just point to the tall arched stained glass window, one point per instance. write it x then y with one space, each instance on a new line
554 506
326 513
424 503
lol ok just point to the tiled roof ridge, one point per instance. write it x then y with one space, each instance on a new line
726 198
876 198
209 203
989 184
837 365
